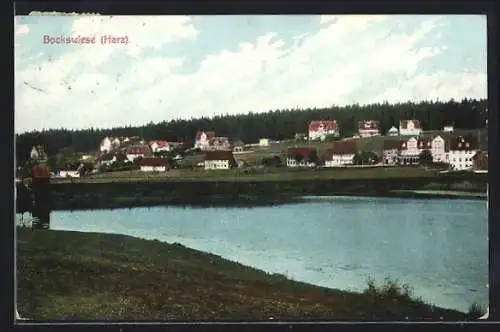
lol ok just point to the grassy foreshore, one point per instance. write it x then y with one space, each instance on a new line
130 192
71 275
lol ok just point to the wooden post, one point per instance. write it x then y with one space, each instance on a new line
41 197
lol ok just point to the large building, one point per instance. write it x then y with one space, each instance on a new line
410 128
204 140
220 159
341 154
319 130
462 152
301 157
369 128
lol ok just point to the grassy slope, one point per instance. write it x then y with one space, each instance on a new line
65 275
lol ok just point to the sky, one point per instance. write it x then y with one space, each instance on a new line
172 67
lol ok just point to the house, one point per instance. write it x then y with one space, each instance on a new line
480 161
391 152
154 164
409 128
301 157
238 146
393 131
37 153
438 150
159 146
410 152
462 151
106 144
369 128
136 151
204 139
448 129
221 143
321 129
69 174
264 142
34 153
219 159
341 154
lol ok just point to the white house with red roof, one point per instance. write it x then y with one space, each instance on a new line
136 151
300 157
341 154
369 128
204 140
410 128
159 146
321 129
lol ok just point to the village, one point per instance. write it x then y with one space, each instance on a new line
321 147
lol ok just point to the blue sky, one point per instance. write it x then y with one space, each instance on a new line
183 67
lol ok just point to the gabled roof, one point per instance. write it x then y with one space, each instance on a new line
342 148
424 142
462 143
300 151
327 125
139 150
210 134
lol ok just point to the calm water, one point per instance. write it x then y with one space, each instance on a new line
438 246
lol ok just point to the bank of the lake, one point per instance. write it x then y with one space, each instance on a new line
101 195
74 275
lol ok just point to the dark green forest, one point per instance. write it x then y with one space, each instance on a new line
278 124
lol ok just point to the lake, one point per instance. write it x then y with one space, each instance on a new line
437 246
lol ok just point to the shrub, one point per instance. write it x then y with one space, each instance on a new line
476 310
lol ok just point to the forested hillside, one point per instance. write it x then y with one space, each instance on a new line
279 124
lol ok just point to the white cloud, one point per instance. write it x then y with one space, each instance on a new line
348 53
20 29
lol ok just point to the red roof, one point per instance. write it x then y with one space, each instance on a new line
326 124
139 150
161 144
368 125
404 124
300 151
210 134
219 155
463 144
424 143
341 148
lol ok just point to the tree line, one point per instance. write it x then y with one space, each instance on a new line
276 124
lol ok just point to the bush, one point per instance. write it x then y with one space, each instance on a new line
390 289
476 310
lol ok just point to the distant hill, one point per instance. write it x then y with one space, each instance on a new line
277 124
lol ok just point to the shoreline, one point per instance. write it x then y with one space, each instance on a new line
124 265
255 201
